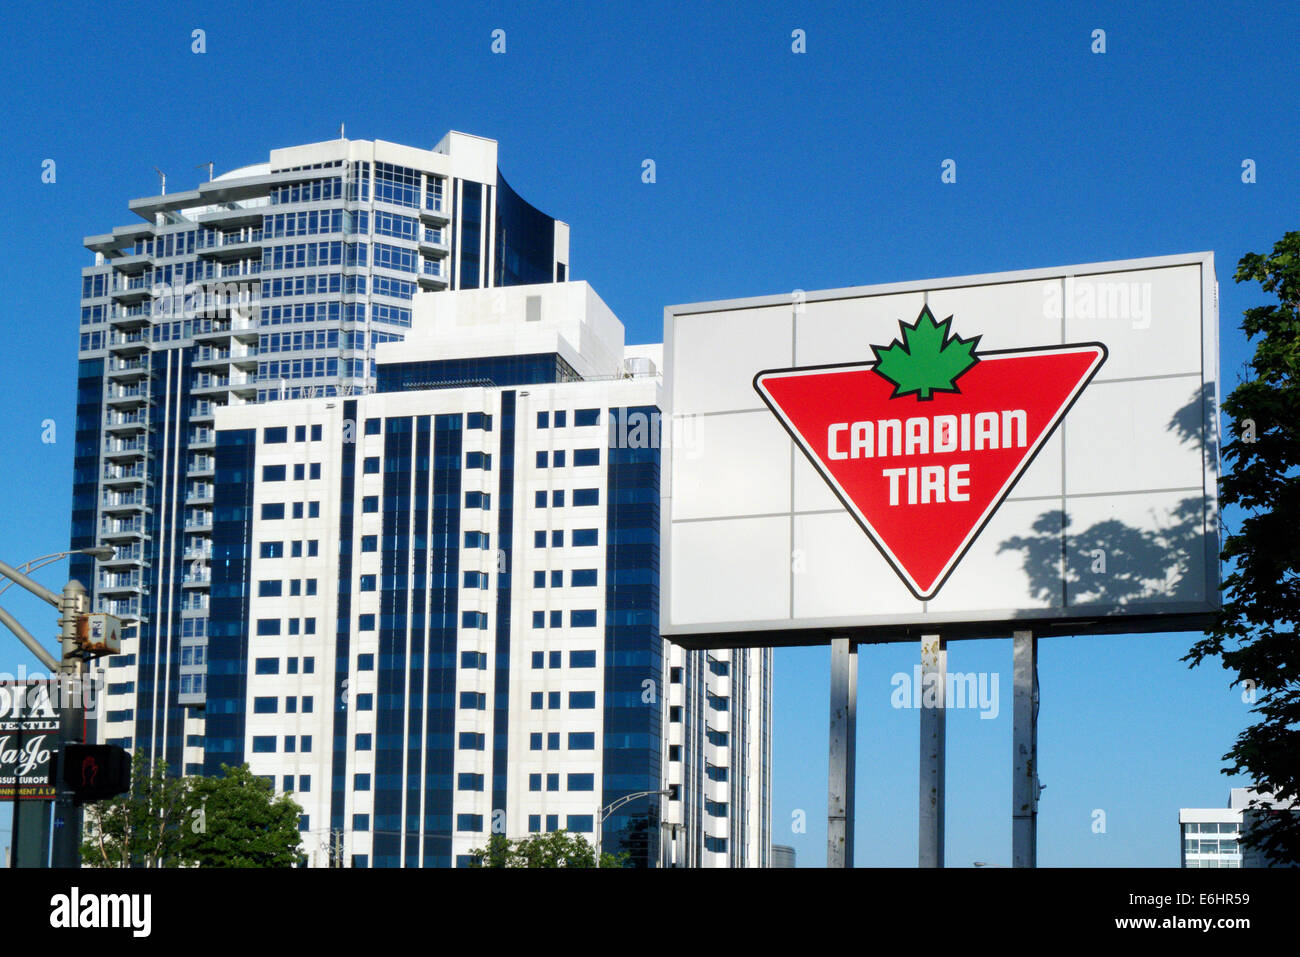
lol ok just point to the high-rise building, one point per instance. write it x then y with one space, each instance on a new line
272 281
456 651
435 607
1212 837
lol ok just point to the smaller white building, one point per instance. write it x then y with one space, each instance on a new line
1211 837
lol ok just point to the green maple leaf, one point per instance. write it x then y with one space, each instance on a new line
928 360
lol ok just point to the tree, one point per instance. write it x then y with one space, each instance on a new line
139 828
167 821
237 821
1255 633
556 849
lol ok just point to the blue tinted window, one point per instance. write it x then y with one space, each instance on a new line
361 782
557 459
267 705
273 473
268 626
272 510
582 659
539 500
586 457
272 436
264 744
580 823
373 426
543 419
366 662
583 619
582 741
363 742
561 419
586 536
272 550
365 623
269 588
586 496
586 417
370 543
539 619
581 700
541 460
267 666
557 498
583 577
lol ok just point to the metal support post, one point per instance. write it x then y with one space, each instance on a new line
934 672
1024 774
843 748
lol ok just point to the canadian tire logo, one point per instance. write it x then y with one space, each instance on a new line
925 440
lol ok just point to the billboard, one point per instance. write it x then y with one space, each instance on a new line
29 739
966 456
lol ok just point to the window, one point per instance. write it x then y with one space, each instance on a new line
304 783
582 659
582 700
473 659
365 623
539 579
360 822
268 588
272 550
586 536
313 548
552 782
478 500
266 666
314 472
561 419
295 586
539 500
366 662
552 822
543 419
300 433
539 620
541 460
273 436
371 465
305 745
473 700
272 510
469 822
583 578
557 458
295 549
539 539
373 426
553 741
268 626
536 701
556 659
471 741
582 741
534 823
299 472
363 742
370 503
478 420
267 705
557 619
273 473
316 432
361 782
469 782
370 543
539 657
579 823
586 457
534 782
586 417
308 666
264 744
478 460
557 498
557 579
586 496
582 619
365 702
308 704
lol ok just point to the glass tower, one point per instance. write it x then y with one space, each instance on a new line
274 281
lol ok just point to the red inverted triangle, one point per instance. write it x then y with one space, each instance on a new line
959 453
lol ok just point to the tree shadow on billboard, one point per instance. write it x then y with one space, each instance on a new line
1113 564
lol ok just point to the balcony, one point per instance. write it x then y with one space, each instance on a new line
131 581
433 243
128 343
126 421
121 527
124 608
121 448
119 501
126 395
432 275
435 210
198 493
205 355
233 216
202 437
128 369
200 465
233 245
133 289
132 554
132 264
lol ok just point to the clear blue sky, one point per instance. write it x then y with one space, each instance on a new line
775 171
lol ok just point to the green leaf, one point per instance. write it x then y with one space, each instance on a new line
928 360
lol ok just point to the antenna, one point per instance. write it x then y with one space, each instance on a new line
208 164
162 176
341 136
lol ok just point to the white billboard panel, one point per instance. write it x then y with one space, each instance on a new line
969 455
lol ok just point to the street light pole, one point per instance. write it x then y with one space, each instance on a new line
613 806
72 721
